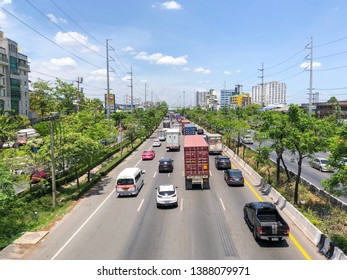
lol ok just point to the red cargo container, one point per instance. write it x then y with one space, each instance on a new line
196 161
183 122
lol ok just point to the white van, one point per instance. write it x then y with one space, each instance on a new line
130 181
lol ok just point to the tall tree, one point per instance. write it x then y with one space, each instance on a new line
306 136
276 125
41 98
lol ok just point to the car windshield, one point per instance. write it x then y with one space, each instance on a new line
166 192
223 159
126 181
324 161
147 152
235 173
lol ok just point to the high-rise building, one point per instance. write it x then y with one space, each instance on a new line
14 82
225 95
207 99
270 93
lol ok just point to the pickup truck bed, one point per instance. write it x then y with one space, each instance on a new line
265 221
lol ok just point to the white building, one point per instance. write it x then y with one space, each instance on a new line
270 93
207 99
14 83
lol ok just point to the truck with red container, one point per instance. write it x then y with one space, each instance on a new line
196 161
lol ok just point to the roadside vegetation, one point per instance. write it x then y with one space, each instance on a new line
83 138
303 136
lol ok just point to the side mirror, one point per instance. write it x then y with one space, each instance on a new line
143 171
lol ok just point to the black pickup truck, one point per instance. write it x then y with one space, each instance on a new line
265 221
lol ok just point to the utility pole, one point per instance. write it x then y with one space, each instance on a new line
54 188
145 95
184 99
79 81
311 72
262 100
131 90
108 83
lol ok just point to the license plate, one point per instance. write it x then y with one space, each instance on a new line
274 239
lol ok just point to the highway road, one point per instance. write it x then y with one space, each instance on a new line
207 224
308 173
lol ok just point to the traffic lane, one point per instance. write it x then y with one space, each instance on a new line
102 237
62 231
234 198
314 176
186 232
249 193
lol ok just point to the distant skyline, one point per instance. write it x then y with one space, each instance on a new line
183 46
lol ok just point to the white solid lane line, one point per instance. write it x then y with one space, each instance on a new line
79 229
181 204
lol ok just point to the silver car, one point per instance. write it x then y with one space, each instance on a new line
321 164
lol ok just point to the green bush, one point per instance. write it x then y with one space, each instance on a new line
339 241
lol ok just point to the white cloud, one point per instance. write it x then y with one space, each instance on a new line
159 58
63 63
75 39
99 75
315 65
227 72
202 70
70 39
3 18
5 2
171 5
54 19
128 49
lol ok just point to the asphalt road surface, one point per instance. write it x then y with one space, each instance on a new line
207 224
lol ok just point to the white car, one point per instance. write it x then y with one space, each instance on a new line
167 195
247 139
156 143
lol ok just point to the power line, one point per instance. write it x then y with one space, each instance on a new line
68 33
320 57
334 68
69 17
289 58
331 42
54 43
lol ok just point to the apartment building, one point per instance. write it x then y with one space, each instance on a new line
269 93
14 82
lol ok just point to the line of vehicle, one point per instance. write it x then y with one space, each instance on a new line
80 228
296 243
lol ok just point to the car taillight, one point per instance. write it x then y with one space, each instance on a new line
288 230
260 230
174 195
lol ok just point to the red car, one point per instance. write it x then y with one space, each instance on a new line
148 154
38 174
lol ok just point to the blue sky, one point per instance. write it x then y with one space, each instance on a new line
183 46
